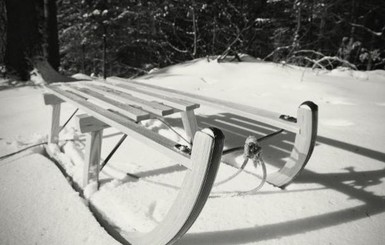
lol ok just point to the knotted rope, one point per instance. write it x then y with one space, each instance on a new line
252 150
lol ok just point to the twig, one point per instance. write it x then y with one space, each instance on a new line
177 49
375 33
276 50
335 58
237 38
309 51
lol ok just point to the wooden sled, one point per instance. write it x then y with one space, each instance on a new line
202 161
304 125
123 110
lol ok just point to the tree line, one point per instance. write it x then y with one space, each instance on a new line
133 36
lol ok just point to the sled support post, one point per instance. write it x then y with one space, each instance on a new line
190 124
92 157
93 128
55 103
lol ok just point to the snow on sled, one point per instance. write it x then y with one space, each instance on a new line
110 103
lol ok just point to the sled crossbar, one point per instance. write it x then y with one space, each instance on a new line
304 125
109 106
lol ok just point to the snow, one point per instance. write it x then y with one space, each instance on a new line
338 199
38 206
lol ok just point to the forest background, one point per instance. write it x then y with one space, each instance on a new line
128 38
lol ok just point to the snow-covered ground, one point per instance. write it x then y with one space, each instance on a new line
338 199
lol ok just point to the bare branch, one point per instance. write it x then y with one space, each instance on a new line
378 34
177 49
276 50
333 58
309 51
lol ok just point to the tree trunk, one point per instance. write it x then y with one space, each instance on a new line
23 38
51 39
321 33
3 33
31 32
311 19
297 8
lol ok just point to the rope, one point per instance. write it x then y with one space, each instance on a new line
252 150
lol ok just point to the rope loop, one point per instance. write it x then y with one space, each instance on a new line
252 150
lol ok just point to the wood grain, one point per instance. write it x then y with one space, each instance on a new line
93 148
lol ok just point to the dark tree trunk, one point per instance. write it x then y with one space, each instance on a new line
31 33
321 32
23 38
3 33
51 39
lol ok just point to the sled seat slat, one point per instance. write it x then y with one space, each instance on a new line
172 101
150 106
124 124
131 112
